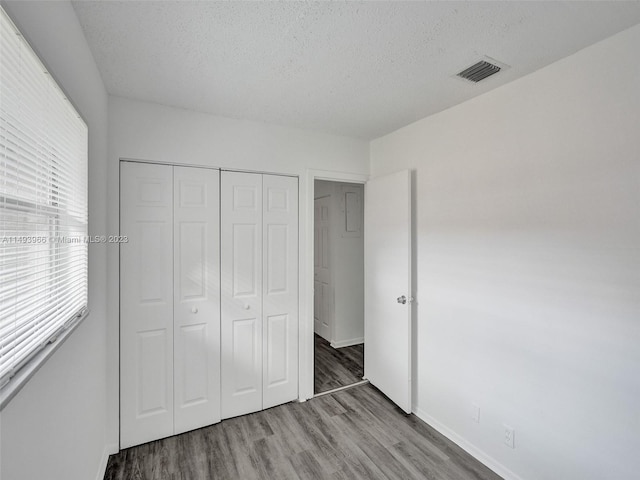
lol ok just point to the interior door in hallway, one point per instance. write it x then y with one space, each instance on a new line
322 274
388 290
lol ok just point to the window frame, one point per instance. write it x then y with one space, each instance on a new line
39 354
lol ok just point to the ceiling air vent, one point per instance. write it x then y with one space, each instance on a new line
479 71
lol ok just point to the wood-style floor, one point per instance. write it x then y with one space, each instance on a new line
336 367
351 434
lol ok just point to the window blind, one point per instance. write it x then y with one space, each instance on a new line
43 205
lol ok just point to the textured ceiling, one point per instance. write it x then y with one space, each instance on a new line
359 69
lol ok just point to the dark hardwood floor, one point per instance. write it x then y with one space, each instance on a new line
351 434
336 367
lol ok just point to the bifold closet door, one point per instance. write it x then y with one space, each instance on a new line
196 306
280 290
146 303
259 236
169 301
241 274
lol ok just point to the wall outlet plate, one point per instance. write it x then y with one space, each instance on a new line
475 412
509 436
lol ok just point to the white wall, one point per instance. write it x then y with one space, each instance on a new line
347 267
54 428
528 231
141 130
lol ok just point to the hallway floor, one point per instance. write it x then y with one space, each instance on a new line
336 367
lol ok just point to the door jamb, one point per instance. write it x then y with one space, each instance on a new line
306 343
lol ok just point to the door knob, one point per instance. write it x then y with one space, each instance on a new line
402 299
194 310
247 306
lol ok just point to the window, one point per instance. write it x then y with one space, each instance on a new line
43 205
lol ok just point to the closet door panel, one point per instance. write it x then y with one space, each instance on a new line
146 303
280 290
196 287
241 273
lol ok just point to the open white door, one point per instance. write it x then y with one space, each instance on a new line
387 284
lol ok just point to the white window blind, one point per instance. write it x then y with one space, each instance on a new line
43 205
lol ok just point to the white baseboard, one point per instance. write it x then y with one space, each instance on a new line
468 447
347 343
109 449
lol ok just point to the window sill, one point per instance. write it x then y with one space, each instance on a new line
23 375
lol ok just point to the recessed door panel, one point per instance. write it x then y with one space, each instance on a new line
150 271
152 398
277 352
277 199
280 290
244 360
151 192
196 298
324 306
245 197
324 246
316 238
277 258
195 367
317 288
192 263
146 303
241 274
245 244
192 194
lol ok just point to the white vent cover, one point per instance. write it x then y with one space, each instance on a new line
481 70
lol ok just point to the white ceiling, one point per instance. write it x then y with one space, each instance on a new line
359 69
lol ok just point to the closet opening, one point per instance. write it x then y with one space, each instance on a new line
338 280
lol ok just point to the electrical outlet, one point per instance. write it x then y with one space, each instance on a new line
475 412
509 436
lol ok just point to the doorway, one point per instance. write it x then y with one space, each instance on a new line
338 303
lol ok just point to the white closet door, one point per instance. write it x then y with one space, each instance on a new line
146 303
196 311
280 290
241 273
